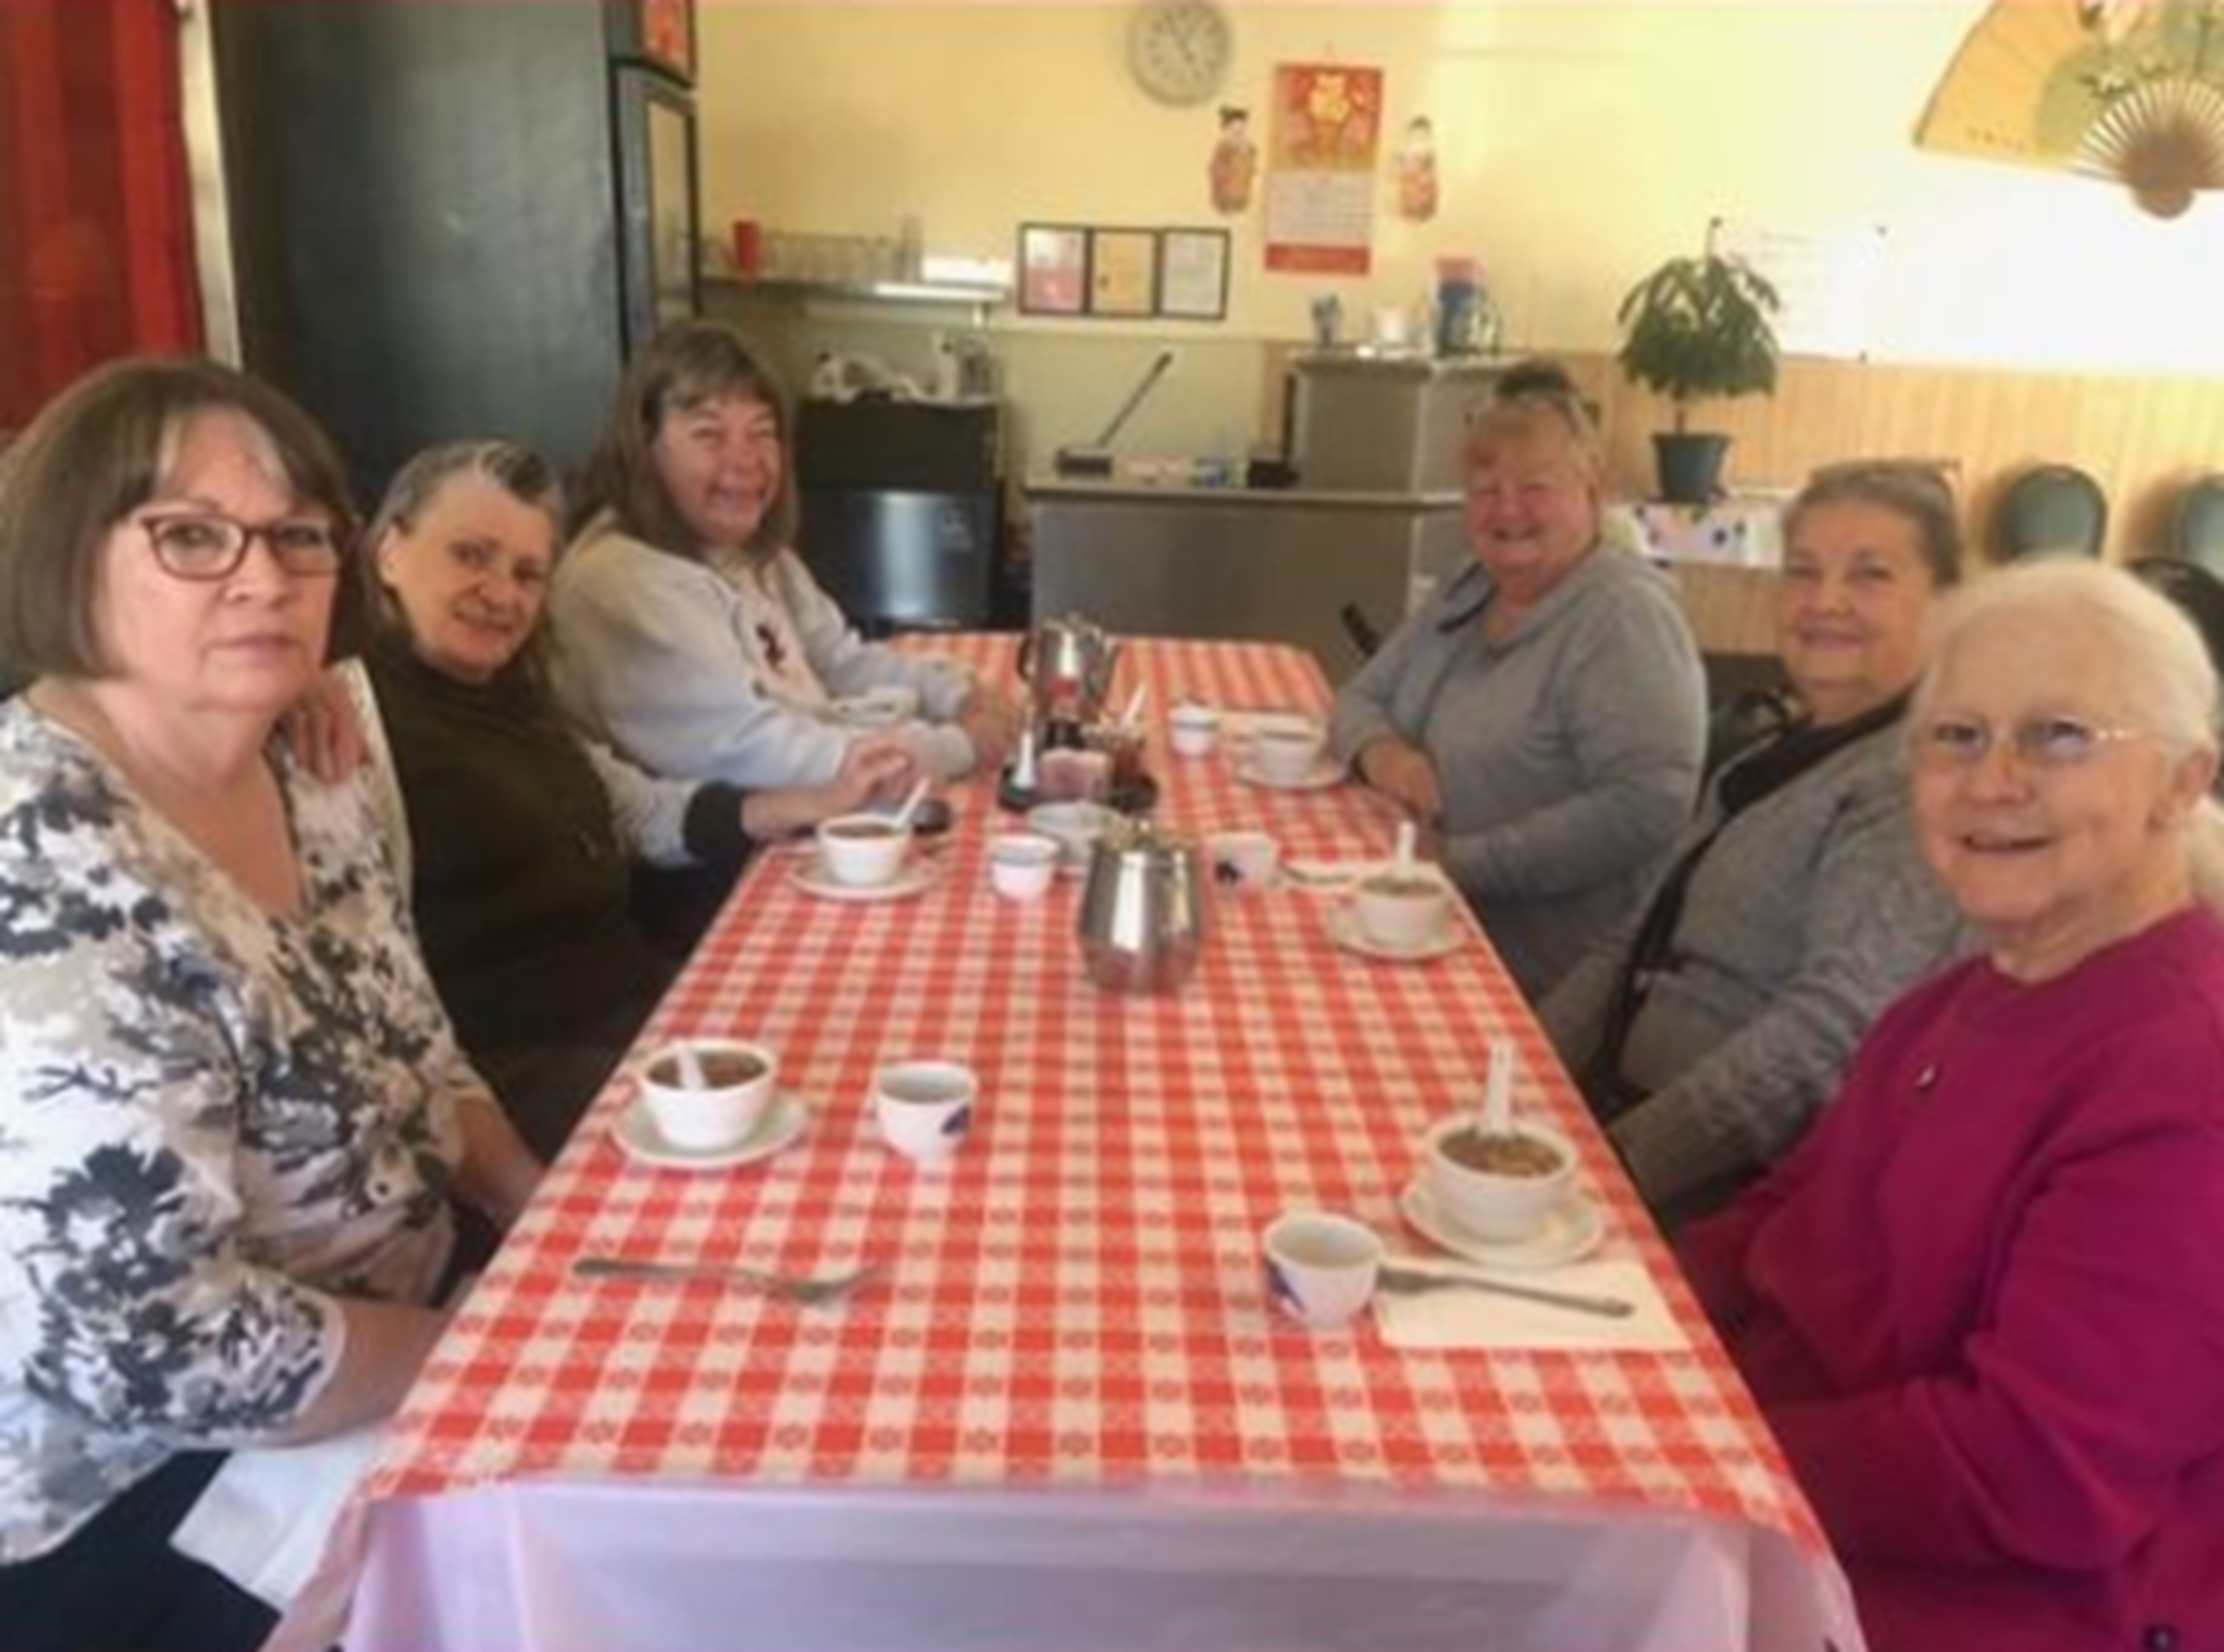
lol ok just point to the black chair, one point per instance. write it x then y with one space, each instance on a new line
2196 591
2051 510
2196 532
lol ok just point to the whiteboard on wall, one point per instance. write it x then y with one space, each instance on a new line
1829 280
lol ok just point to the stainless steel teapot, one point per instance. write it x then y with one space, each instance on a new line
1069 664
1142 921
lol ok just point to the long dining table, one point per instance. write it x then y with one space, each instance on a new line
1063 1413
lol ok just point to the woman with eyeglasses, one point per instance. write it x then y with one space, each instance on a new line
234 1110
1982 1305
516 837
693 638
1709 1026
1543 717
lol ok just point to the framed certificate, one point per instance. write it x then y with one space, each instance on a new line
1053 269
1193 274
1123 272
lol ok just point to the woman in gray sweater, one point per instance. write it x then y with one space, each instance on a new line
1543 717
1709 1026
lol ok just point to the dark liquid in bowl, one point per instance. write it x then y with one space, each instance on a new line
861 829
1403 888
723 1070
1500 1155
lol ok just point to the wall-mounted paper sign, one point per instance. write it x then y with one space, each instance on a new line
1828 281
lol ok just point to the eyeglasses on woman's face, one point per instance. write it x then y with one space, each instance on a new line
206 545
2054 741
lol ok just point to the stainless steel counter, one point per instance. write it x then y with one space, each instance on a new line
1239 564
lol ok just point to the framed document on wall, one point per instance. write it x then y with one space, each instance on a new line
1193 274
1053 269
1123 272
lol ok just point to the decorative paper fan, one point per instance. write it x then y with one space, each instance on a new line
2119 89
2003 95
2165 141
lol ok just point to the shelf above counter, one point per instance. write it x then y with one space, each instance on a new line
978 297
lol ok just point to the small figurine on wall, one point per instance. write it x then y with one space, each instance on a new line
1234 162
1416 171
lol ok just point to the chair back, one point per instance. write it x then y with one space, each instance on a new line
2196 532
2052 510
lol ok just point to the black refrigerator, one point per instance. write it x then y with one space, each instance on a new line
456 219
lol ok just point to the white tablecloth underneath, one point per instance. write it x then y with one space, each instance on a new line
558 1566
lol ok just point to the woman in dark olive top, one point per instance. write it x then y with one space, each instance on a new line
516 838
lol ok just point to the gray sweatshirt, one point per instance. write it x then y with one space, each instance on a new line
1812 911
1568 753
656 658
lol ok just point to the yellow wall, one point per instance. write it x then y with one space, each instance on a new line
1579 144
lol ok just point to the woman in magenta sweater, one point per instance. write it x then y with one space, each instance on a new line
1983 1305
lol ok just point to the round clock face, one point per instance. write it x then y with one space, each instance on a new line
1178 49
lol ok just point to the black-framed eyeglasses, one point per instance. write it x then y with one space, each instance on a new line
2048 742
204 546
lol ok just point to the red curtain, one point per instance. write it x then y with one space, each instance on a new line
96 226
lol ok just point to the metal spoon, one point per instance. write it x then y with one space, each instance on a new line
1407 1281
804 1289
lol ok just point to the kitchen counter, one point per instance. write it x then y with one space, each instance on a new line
1238 564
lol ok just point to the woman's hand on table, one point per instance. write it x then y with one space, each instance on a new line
498 1173
990 719
1402 772
874 770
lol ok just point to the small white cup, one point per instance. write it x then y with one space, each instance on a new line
1320 1269
1243 859
1401 909
738 1078
862 851
1022 865
924 1109
1284 753
1194 729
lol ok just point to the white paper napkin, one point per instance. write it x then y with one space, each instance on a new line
1477 1319
263 1520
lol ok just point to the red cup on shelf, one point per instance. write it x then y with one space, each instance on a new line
748 247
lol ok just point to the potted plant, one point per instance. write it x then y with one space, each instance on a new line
1696 328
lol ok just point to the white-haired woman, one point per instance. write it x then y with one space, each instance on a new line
1983 1305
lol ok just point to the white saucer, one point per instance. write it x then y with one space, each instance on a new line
1324 773
1573 1230
783 1121
1344 930
810 876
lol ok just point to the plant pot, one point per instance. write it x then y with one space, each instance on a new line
1690 466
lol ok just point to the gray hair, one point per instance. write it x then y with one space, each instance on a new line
518 471
2171 682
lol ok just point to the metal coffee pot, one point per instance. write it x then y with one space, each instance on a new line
1068 663
1142 909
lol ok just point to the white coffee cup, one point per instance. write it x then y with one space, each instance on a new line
1285 753
862 851
1401 909
1193 728
1022 865
1243 859
738 1079
880 708
924 1109
1320 1268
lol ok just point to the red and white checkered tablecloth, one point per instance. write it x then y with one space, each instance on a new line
1076 1299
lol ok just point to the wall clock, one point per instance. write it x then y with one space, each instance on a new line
1178 50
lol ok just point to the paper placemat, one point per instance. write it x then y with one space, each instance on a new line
1479 1319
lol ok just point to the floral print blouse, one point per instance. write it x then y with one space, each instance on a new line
213 1123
